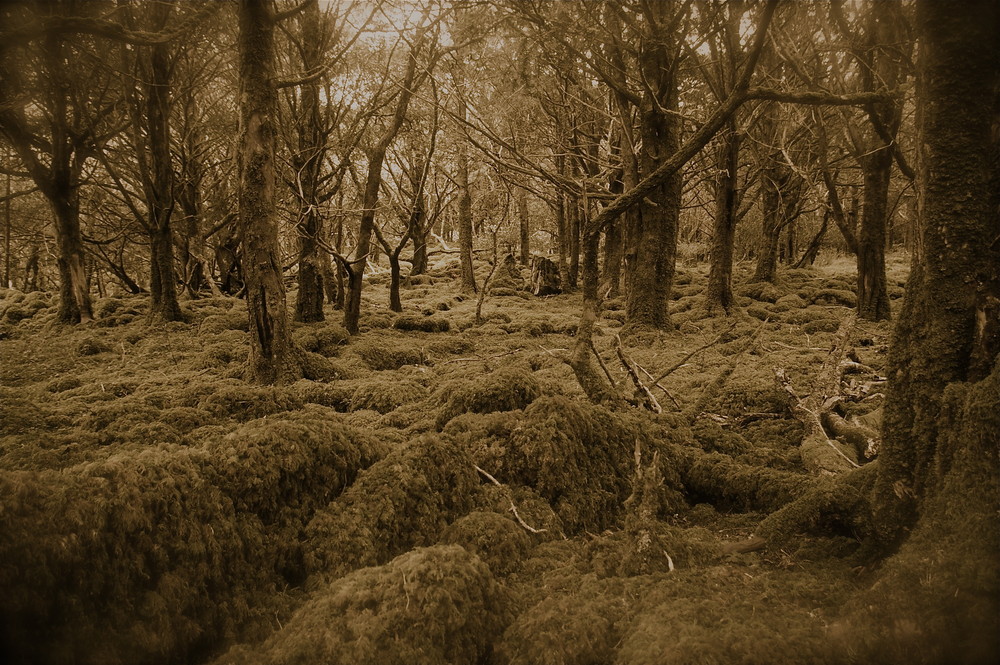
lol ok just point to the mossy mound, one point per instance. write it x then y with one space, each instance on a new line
325 339
500 542
232 320
384 354
506 389
335 395
579 457
430 606
385 396
401 502
241 401
572 627
112 562
430 324
761 291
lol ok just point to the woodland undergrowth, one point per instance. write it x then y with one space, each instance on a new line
443 493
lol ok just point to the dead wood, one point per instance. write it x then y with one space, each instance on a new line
648 400
513 508
821 454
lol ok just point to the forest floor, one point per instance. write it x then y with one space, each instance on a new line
445 495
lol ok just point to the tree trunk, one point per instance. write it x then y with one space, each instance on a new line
612 276
782 192
651 239
719 294
873 295
945 340
160 184
273 357
395 304
525 226
573 245
465 223
74 301
308 162
418 235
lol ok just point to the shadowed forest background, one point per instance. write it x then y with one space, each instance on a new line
500 331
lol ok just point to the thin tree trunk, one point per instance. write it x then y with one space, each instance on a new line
160 185
273 356
525 226
465 240
719 294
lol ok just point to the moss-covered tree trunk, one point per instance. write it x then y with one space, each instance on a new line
946 340
651 236
524 227
719 293
781 194
308 162
273 357
159 183
465 231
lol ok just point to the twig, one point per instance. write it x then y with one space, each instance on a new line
600 361
466 360
650 399
513 508
659 385
688 357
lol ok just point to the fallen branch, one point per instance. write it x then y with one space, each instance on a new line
600 361
513 508
659 385
649 400
680 363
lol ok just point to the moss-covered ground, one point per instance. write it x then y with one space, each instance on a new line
445 495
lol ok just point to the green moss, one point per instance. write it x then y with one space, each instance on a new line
403 501
578 457
427 607
575 627
500 542
506 389
430 324
91 346
241 401
385 396
382 354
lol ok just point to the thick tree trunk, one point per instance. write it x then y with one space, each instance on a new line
719 293
651 236
781 193
418 235
395 304
74 301
612 275
273 356
873 295
946 336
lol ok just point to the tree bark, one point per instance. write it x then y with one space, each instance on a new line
465 232
945 343
651 236
160 182
308 162
273 356
719 293
525 226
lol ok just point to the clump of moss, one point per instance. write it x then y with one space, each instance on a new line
403 501
728 483
789 302
762 291
430 324
383 396
19 415
384 355
186 419
127 549
61 384
376 321
827 325
335 395
573 627
232 320
91 346
506 389
429 606
577 456
325 339
241 401
498 541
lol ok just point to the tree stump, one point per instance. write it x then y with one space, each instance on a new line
544 277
